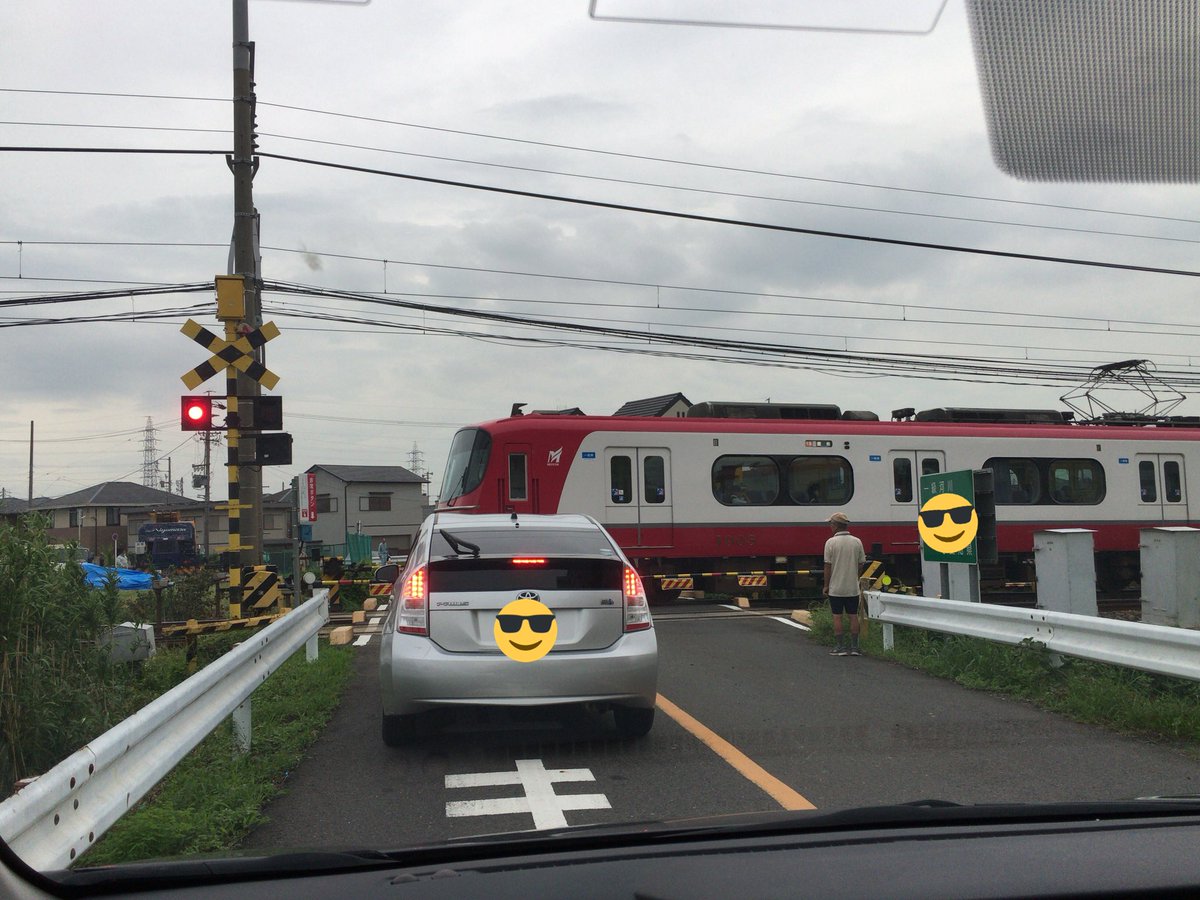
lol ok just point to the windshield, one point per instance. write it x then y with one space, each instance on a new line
469 453
865 331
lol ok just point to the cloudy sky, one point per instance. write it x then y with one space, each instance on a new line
880 135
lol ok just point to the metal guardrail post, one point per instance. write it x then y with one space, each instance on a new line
63 812
1150 648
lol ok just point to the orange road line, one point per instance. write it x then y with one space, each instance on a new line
748 768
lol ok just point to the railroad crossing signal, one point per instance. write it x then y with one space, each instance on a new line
238 354
196 413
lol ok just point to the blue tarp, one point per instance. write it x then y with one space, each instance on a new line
127 579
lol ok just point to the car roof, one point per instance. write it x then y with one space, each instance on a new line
469 521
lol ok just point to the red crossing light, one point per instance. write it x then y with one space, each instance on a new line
196 413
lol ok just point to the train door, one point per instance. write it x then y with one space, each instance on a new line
518 489
638 493
906 468
1161 485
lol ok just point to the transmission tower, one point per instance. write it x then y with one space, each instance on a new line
150 455
416 461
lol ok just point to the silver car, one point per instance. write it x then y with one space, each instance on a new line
528 611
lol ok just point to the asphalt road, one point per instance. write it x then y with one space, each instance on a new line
797 728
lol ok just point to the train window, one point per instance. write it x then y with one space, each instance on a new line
1016 481
825 479
620 473
518 484
745 480
1147 481
902 479
930 466
1172 483
654 472
1076 481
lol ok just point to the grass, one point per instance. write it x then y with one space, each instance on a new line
212 799
1121 699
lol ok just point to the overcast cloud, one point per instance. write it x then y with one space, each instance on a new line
895 111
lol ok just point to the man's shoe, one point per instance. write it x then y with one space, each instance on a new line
854 651
839 651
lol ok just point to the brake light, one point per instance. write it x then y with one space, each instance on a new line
528 561
412 615
637 608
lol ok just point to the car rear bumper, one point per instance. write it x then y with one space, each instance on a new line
416 674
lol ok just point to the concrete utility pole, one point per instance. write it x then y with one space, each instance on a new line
245 262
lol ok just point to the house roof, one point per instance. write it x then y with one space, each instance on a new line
113 493
10 506
652 406
353 474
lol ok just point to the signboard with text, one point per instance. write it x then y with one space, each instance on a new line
308 497
948 522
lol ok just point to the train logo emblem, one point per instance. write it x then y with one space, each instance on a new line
948 523
555 457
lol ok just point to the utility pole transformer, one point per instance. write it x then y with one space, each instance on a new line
245 262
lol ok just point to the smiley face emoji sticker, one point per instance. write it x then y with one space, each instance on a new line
948 523
525 629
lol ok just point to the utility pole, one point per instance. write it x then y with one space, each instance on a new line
207 489
243 163
30 466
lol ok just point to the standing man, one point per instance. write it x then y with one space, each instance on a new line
844 560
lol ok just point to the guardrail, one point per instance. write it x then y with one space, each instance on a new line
1151 648
62 813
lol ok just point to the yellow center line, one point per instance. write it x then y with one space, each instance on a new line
749 769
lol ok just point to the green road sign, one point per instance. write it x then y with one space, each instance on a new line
948 522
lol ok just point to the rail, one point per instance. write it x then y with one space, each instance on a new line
1151 648
59 815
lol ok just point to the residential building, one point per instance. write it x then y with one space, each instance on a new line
385 502
668 405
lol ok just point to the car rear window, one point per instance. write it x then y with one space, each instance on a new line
469 573
525 542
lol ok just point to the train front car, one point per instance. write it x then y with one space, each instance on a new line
740 504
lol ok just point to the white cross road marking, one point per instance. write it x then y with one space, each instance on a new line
790 622
362 640
546 806
731 606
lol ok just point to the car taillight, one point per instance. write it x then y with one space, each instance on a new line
412 615
637 609
529 561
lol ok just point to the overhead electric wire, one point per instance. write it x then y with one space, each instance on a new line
1005 370
724 220
611 153
903 306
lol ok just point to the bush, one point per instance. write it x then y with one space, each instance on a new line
58 688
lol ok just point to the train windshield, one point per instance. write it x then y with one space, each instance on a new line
468 458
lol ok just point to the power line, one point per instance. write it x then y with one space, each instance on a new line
722 220
624 155
903 307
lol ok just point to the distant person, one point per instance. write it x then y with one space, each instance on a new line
122 559
844 560
383 553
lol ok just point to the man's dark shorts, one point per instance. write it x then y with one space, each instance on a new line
839 605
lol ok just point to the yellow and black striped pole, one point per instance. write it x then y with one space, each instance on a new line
231 307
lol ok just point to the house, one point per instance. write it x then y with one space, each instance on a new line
276 522
669 405
385 502
98 516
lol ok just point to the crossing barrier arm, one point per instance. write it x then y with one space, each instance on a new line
1150 648
63 812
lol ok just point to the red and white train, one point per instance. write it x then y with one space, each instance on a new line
711 492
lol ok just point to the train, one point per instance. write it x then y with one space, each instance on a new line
731 494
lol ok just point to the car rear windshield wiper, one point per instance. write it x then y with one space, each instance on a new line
458 544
